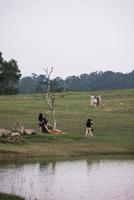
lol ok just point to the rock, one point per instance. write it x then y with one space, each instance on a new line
4 132
14 138
29 131
18 127
16 134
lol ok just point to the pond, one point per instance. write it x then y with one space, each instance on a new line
70 180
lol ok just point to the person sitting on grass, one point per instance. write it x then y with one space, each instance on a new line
43 123
45 126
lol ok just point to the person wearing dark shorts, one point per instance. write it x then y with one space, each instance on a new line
89 128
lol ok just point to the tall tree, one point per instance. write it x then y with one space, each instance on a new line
9 76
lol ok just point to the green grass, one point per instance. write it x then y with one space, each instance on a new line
4 196
114 124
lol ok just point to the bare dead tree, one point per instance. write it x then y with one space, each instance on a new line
50 98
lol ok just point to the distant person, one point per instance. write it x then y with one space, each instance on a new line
91 100
95 100
98 100
89 128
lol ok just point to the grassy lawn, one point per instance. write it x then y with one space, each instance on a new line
114 125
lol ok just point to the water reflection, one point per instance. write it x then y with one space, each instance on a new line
70 180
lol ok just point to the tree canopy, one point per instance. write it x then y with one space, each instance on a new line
9 76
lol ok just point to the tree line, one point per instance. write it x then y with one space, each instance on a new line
12 83
84 82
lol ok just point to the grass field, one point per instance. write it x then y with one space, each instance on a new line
113 120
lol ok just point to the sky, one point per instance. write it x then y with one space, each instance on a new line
72 36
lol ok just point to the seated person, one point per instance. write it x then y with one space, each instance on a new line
43 123
45 127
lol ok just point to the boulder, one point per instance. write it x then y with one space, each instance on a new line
29 131
16 134
14 138
18 127
4 132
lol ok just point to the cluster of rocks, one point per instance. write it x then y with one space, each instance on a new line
15 135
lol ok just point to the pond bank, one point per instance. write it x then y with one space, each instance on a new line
63 151
66 146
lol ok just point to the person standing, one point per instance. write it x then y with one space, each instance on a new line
98 100
91 100
89 128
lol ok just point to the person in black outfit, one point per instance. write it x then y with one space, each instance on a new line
89 128
43 123
45 127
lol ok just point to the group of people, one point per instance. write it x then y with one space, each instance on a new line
95 100
45 126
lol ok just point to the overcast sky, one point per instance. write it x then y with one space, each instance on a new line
73 36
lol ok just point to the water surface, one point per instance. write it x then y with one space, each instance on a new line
70 180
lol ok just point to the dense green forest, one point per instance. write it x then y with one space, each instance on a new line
84 82
9 76
12 83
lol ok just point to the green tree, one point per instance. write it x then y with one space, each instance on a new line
58 84
9 76
27 85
